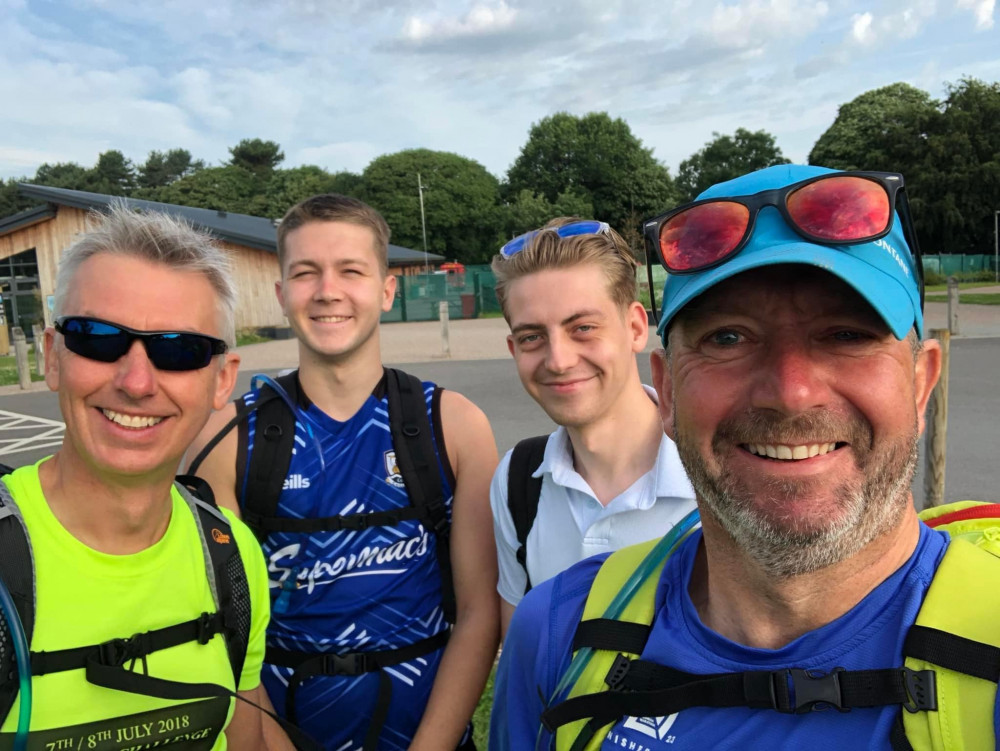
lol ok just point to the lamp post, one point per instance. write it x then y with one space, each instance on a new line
423 223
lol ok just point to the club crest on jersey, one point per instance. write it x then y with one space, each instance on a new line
392 474
654 727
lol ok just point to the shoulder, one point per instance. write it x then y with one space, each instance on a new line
216 422
466 430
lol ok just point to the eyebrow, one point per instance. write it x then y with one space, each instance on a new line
565 322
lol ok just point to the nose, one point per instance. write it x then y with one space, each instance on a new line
136 375
329 288
561 355
790 377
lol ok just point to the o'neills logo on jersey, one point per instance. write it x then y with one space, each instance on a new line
295 482
371 560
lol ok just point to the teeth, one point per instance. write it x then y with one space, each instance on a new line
790 453
131 421
331 319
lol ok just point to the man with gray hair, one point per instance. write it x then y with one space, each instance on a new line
144 605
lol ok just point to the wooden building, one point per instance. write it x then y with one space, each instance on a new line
32 241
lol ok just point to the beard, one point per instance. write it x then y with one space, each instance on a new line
864 506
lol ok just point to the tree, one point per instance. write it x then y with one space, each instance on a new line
112 175
598 158
11 200
221 188
61 175
161 169
460 202
289 186
256 156
726 157
530 211
883 129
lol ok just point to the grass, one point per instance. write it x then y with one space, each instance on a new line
971 299
481 717
8 369
249 337
961 285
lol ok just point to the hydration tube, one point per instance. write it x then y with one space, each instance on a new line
23 656
260 378
661 551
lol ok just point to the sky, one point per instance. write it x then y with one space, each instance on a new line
339 82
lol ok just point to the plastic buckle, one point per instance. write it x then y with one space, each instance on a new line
206 628
357 522
113 653
921 690
812 691
619 669
349 664
437 512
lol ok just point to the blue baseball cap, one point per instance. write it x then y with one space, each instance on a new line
881 271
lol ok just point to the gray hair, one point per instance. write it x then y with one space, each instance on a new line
158 238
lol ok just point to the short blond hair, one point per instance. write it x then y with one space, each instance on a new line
546 250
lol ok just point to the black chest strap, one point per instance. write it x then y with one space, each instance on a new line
523 492
307 665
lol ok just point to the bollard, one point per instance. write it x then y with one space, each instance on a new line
21 354
936 448
39 334
953 305
445 339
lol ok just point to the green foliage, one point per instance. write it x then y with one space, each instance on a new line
222 188
67 175
113 175
11 200
530 211
727 157
883 129
460 202
256 156
287 187
161 169
964 278
597 158
973 299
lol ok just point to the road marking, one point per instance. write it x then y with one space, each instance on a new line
31 433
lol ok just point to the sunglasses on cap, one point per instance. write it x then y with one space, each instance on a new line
108 342
584 227
838 208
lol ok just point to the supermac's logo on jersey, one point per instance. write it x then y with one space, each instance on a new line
392 474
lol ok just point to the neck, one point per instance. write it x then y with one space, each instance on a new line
613 452
736 598
112 514
340 386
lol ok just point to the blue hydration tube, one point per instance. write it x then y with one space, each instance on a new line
661 551
260 378
23 655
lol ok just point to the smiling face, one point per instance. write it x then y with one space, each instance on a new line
127 418
796 414
332 289
574 346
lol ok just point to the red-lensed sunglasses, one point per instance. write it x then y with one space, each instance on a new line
839 208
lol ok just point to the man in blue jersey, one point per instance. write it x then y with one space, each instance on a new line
366 647
598 487
794 381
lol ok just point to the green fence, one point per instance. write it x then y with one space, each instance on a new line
473 294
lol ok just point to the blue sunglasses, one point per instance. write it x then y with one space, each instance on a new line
584 227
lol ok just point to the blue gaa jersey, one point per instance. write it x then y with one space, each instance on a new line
353 591
870 635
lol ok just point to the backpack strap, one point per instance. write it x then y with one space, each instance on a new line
523 492
273 441
17 571
413 443
956 633
227 575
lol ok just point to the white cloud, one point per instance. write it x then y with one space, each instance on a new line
481 20
757 21
861 28
982 10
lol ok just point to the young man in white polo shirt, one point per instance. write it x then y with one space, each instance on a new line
609 477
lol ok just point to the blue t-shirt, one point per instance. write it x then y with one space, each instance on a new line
355 591
869 636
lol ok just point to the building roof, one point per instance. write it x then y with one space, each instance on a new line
239 229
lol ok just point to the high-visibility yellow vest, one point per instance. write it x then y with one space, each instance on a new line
962 601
